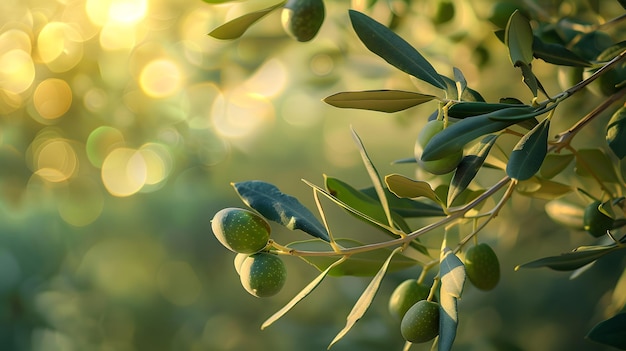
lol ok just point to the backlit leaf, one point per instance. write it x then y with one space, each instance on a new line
408 208
529 153
378 100
565 213
238 26
572 260
616 133
452 273
555 164
364 302
393 49
276 206
596 161
406 187
518 38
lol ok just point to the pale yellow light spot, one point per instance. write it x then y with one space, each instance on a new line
241 114
60 46
52 98
160 78
118 36
124 172
17 71
158 162
269 80
56 161
15 39
123 11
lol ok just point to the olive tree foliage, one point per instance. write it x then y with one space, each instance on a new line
458 141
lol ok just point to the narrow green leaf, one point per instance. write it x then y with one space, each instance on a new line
454 138
518 37
408 208
544 189
517 114
378 100
555 164
276 206
469 166
238 26
406 187
365 264
470 109
301 295
374 177
610 332
528 77
364 302
362 202
393 49
452 273
557 54
596 161
529 153
461 83
572 260
616 133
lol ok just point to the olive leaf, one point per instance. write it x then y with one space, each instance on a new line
378 100
469 166
408 208
452 273
238 26
279 207
302 294
596 161
557 54
518 37
555 164
393 49
572 260
610 332
406 187
540 188
529 153
365 300
470 109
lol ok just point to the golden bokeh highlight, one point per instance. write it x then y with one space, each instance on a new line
52 98
241 114
118 36
158 164
123 11
81 203
60 46
56 160
101 142
17 71
124 172
161 78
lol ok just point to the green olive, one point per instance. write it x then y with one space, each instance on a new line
482 266
302 19
263 274
240 230
421 322
443 165
406 295
595 222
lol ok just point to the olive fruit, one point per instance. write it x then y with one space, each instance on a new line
241 230
443 165
612 81
406 295
421 322
302 19
262 274
595 222
482 266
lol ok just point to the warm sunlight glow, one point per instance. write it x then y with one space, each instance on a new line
124 172
161 78
52 98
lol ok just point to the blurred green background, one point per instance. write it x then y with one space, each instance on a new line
122 125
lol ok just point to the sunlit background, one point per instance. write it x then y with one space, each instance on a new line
122 125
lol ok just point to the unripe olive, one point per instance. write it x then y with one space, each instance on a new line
302 19
443 165
421 322
240 230
406 295
482 266
595 222
263 274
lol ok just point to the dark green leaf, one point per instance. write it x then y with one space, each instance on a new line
393 49
529 153
557 54
454 138
612 331
276 206
470 109
596 161
365 300
555 164
528 77
378 100
616 133
364 264
623 3
235 28
572 260
518 38
517 114
408 208
452 272
461 83
469 166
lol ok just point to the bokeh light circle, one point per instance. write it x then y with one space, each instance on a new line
160 78
124 172
56 160
101 142
60 46
17 71
52 98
